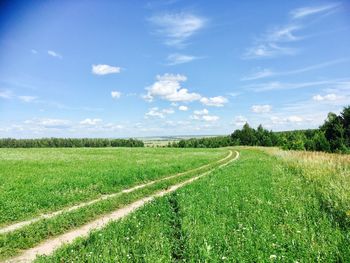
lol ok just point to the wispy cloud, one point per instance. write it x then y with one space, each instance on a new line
277 85
265 73
177 28
54 54
312 10
175 59
274 41
261 108
27 98
91 122
6 94
103 69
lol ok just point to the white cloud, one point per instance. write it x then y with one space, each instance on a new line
156 112
265 73
175 59
261 108
260 74
283 120
183 108
103 69
6 94
273 42
327 97
116 94
54 54
240 120
264 50
49 123
203 115
27 98
276 85
312 10
177 27
201 112
90 122
294 119
217 101
168 88
210 118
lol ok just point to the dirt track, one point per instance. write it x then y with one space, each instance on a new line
49 246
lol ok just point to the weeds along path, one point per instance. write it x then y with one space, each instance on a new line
13 227
49 246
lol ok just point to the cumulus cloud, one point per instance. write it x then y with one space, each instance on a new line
90 122
103 69
261 108
217 101
327 97
183 108
54 54
168 87
159 113
116 94
204 116
201 112
177 28
210 118
27 98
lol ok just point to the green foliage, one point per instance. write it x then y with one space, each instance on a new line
68 142
332 136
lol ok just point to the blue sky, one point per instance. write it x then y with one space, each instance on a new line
172 67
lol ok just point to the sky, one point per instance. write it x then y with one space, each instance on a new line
173 67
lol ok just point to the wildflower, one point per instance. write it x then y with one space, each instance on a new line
273 257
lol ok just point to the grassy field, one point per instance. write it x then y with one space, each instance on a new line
267 206
34 181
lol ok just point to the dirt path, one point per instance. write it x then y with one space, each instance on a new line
13 227
49 246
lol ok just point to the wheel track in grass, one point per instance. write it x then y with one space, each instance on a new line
49 246
18 225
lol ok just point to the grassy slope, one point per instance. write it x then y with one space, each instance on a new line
257 209
34 181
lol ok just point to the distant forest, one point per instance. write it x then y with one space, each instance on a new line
68 142
332 136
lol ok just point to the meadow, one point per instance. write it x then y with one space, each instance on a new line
261 208
34 181
268 205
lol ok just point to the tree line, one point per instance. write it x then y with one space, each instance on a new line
68 142
332 136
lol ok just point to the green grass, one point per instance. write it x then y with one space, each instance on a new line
34 181
12 243
258 209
